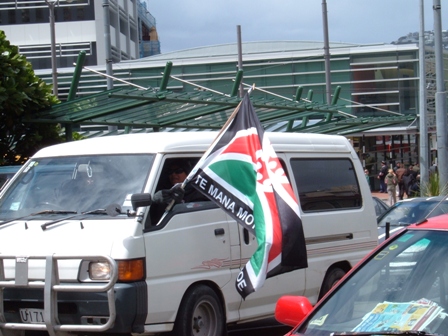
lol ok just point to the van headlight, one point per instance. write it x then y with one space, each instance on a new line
128 270
99 271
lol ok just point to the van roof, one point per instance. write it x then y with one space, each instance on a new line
166 142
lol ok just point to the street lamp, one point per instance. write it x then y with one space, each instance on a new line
441 118
54 72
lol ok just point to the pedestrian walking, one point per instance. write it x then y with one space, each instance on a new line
391 184
381 176
366 173
399 173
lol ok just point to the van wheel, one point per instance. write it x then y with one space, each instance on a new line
200 313
331 279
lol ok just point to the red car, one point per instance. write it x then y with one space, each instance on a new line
400 288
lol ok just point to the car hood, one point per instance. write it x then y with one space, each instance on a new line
393 230
117 238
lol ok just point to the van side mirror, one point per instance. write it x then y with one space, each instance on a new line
291 310
140 200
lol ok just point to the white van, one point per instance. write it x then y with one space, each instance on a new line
80 254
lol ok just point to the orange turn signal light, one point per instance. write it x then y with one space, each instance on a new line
131 270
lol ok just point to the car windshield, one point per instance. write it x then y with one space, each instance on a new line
402 287
76 183
405 213
6 173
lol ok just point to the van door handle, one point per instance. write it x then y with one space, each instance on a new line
246 236
219 232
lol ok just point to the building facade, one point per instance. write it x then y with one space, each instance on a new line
79 25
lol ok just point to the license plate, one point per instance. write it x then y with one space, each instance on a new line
31 315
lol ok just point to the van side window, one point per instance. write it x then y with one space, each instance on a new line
326 184
174 170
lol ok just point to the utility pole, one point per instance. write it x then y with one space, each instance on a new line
240 57
54 69
107 44
326 53
442 144
108 52
424 146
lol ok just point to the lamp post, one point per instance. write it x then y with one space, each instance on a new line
54 71
326 53
441 94
107 44
424 150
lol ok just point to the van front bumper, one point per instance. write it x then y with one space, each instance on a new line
83 309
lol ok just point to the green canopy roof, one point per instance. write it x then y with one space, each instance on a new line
134 108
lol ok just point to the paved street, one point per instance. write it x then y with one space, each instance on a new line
267 327
381 196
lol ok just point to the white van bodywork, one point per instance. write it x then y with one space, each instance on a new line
52 248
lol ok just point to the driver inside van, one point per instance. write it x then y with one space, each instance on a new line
177 172
170 189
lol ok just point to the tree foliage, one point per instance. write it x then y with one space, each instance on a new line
22 94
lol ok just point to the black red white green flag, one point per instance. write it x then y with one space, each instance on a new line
243 175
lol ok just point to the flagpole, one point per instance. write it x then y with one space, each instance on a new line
223 128
231 117
198 164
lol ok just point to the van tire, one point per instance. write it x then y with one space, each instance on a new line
200 313
331 278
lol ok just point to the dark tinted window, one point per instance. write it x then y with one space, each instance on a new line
79 10
326 184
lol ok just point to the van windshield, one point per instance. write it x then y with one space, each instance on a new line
75 183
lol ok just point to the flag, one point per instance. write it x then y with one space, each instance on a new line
243 175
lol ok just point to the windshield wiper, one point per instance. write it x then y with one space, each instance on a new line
44 212
111 210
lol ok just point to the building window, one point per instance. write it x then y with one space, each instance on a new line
25 15
12 17
383 84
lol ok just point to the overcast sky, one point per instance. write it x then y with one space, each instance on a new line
185 24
